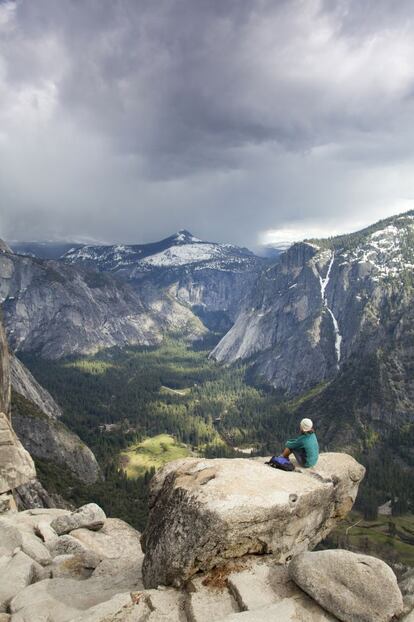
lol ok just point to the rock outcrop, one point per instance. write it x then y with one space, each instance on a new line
16 465
351 586
5 388
90 516
205 512
48 439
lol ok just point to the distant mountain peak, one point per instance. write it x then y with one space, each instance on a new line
180 250
184 236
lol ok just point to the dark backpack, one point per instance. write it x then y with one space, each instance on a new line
279 462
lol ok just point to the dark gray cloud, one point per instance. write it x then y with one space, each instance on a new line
124 120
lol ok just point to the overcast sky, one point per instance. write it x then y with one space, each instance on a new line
240 120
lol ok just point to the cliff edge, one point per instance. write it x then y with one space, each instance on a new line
205 512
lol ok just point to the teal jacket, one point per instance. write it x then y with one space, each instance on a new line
309 443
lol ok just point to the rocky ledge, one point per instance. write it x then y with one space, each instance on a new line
81 566
205 512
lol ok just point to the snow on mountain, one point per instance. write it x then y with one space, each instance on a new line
179 250
388 249
181 255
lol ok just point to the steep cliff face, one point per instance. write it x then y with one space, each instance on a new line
214 295
16 465
26 385
4 373
324 302
50 440
56 310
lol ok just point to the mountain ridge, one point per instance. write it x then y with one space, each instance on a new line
135 261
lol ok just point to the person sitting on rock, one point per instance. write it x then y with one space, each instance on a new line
305 447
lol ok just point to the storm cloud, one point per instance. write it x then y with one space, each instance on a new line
126 120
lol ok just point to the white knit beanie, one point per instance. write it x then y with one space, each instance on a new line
306 425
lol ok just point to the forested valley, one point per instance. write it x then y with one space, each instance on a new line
137 408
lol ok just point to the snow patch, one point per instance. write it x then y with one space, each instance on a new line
385 250
182 255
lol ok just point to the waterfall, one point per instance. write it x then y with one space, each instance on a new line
324 284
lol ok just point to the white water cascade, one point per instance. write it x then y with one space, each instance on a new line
324 283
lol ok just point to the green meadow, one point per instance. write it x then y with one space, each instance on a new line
153 452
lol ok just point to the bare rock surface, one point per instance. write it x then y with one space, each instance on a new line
16 573
209 603
45 531
73 566
64 599
204 512
354 587
32 517
94 577
10 538
118 608
261 582
260 586
67 545
16 464
34 547
167 605
18 530
115 539
90 516
31 494
5 392
288 610
7 502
